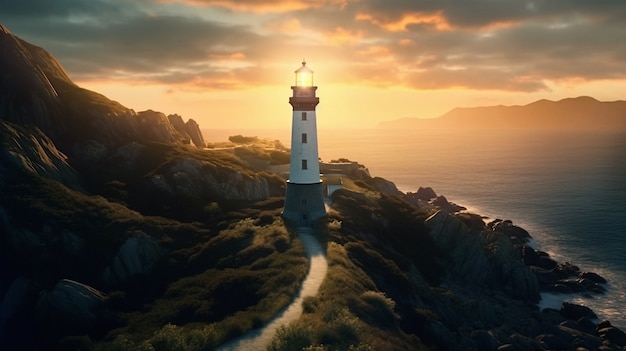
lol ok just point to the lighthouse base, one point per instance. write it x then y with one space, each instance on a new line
304 203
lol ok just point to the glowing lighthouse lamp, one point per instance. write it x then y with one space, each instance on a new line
304 200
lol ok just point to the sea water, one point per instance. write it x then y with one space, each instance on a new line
568 189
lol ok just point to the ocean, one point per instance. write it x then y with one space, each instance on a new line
567 189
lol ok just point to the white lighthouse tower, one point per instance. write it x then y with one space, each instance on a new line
304 200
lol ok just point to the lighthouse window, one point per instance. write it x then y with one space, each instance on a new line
304 138
304 165
304 116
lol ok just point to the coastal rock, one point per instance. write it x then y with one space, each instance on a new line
594 277
469 260
553 342
70 307
425 194
565 270
607 332
444 204
385 186
575 312
536 258
517 234
137 255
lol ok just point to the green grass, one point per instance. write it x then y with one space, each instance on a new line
246 274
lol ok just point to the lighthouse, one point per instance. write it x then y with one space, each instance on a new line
304 200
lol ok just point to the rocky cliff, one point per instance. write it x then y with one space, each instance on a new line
36 91
94 197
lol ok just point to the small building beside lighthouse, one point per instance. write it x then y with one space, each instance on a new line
304 199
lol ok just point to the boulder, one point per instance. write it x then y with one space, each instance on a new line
575 312
613 335
546 262
552 342
194 132
425 194
137 255
71 307
190 130
566 270
594 277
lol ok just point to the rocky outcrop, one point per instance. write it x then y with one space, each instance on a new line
192 178
193 130
518 235
426 197
425 194
28 95
136 256
156 126
34 152
385 186
190 130
443 203
482 259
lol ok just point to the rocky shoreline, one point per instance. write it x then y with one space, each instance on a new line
572 327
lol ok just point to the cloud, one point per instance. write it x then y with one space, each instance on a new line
226 44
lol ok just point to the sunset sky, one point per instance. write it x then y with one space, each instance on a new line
230 63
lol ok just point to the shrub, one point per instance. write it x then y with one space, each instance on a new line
240 139
377 309
291 338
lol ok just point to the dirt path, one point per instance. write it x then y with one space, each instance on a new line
259 339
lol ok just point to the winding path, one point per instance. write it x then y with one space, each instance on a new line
259 339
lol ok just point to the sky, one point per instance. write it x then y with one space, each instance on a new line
230 63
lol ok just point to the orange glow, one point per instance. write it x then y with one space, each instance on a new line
288 26
376 51
341 106
263 6
436 20
233 56
341 35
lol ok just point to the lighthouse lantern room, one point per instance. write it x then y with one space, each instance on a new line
304 200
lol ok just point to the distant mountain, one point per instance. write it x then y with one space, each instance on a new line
581 113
